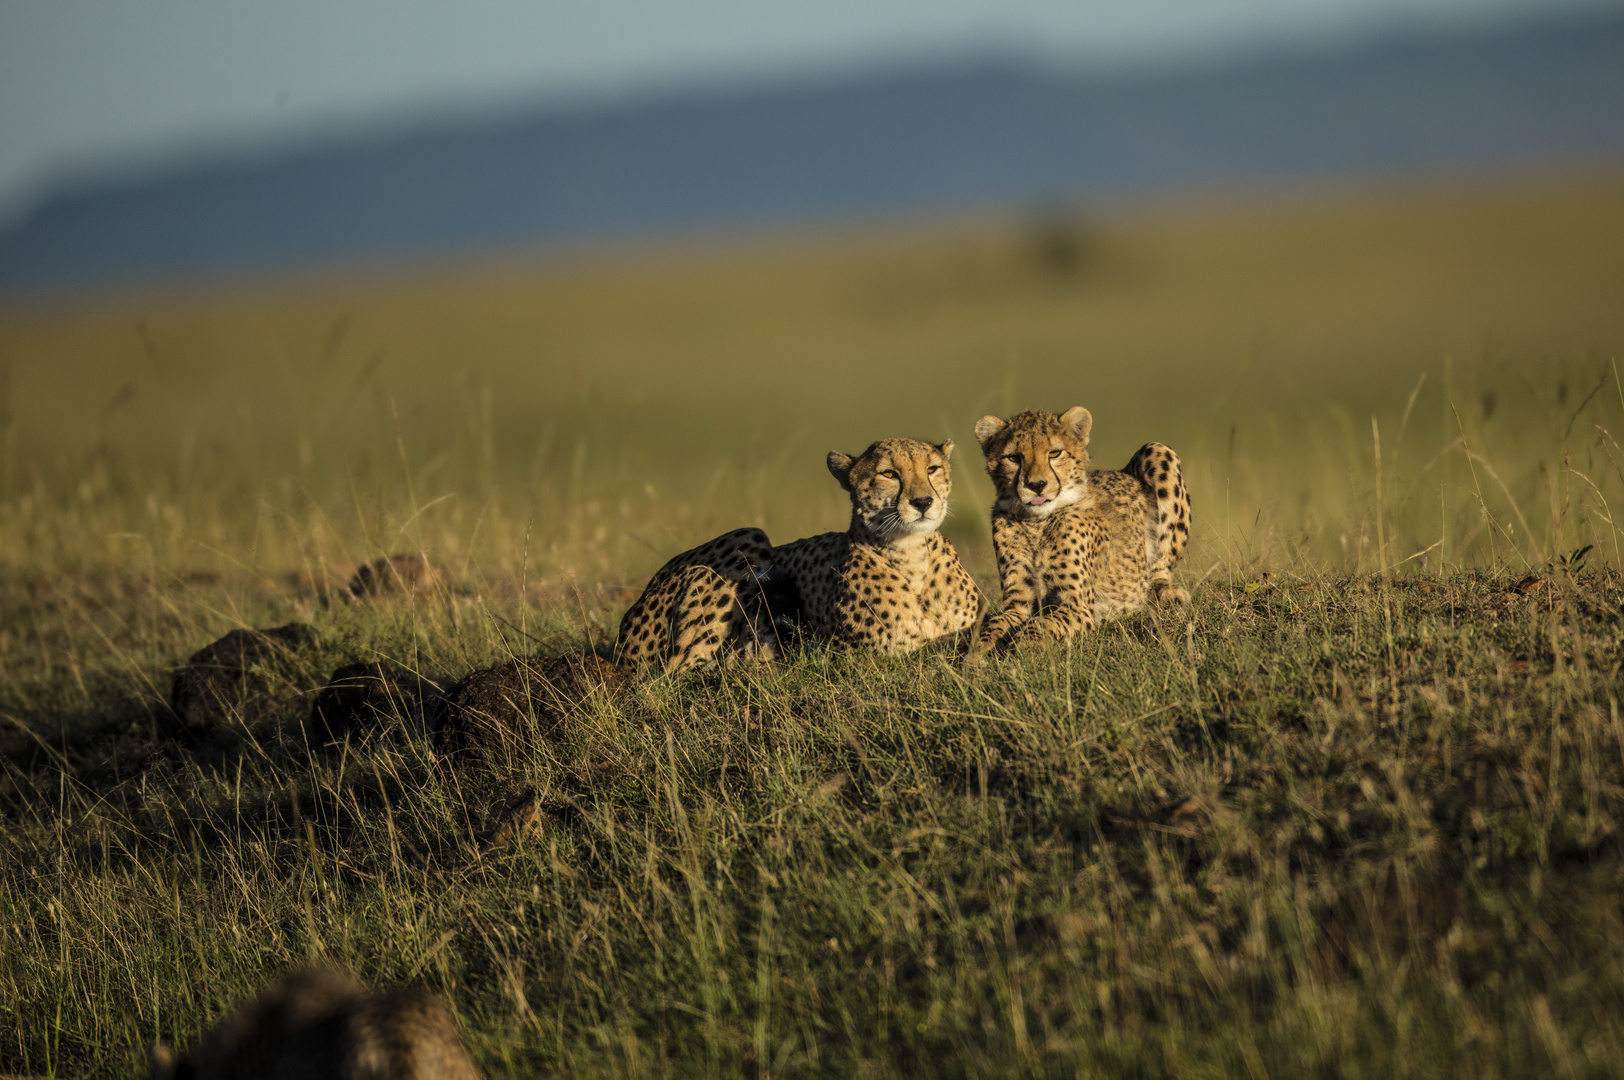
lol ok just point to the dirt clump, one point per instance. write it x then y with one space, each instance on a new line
361 700
399 575
1189 815
1378 916
499 710
238 674
512 819
322 1024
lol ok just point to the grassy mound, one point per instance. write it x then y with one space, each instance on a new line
1344 826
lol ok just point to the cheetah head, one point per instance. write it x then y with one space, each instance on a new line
1038 461
898 487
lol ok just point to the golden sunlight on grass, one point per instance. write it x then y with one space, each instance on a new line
690 390
1354 811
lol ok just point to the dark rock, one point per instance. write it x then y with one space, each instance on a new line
235 675
360 700
399 575
491 711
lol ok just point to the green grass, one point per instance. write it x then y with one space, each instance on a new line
1402 858
1356 813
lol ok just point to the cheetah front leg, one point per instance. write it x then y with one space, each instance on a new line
997 627
1018 579
1069 608
1056 625
1071 612
1167 527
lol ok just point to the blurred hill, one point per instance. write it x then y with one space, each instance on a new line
977 134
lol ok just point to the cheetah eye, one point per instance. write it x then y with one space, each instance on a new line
1053 454
933 470
889 474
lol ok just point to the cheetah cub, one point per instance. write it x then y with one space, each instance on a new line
1076 546
319 1024
890 582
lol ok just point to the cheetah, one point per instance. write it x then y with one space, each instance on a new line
890 582
321 1024
1076 546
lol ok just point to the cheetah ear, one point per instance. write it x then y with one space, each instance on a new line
840 466
1080 420
987 429
946 450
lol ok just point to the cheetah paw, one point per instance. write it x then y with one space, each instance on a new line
1170 594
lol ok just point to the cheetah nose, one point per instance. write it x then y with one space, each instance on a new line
922 503
1037 485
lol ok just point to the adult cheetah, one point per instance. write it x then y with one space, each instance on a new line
1076 546
890 582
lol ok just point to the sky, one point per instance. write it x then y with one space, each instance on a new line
108 85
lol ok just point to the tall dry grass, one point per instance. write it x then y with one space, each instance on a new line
591 417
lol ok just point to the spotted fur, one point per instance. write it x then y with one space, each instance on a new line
890 582
1076 546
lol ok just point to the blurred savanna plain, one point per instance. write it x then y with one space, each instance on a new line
1355 814
618 409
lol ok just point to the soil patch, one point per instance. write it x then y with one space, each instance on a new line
237 675
502 709
399 575
361 700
